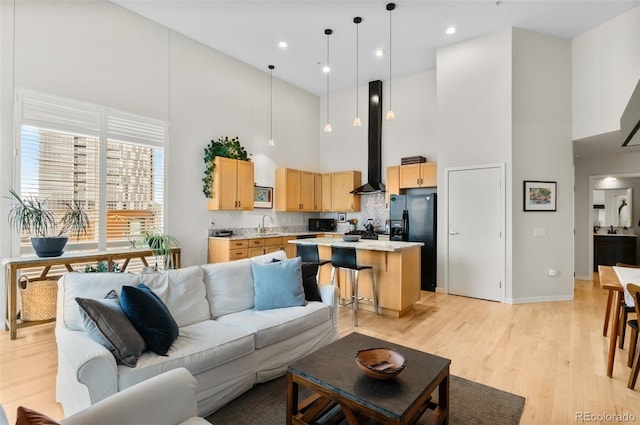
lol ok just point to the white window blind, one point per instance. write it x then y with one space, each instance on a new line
64 151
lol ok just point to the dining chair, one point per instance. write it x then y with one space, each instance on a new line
625 309
634 353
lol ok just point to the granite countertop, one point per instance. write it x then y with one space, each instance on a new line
366 244
264 235
616 234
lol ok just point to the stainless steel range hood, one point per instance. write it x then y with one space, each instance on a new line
374 178
630 120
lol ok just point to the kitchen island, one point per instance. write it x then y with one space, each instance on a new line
397 268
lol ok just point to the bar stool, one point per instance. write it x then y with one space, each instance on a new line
345 258
309 254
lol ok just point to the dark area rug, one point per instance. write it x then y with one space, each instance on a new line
470 404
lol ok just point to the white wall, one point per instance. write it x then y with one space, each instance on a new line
542 150
473 115
413 132
214 95
101 53
605 70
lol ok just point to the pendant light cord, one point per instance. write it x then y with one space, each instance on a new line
390 52
328 32
357 21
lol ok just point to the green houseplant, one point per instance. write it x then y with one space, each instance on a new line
225 147
34 217
160 244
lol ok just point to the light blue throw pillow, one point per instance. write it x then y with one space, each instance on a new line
278 285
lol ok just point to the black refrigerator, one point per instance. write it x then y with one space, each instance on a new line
414 217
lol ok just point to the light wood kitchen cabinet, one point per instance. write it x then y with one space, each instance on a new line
232 185
424 174
342 183
326 192
294 190
317 191
393 182
225 249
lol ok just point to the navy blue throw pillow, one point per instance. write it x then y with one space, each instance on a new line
150 316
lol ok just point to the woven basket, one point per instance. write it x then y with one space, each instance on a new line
38 299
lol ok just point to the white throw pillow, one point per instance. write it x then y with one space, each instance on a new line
229 287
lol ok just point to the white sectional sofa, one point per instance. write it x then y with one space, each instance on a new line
166 399
226 344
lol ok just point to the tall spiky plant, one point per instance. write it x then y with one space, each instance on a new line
31 215
75 220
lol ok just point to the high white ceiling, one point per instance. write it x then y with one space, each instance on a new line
250 31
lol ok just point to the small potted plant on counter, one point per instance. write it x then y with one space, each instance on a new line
32 216
161 245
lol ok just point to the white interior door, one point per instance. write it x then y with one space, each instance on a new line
476 254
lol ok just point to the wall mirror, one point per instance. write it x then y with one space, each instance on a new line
612 207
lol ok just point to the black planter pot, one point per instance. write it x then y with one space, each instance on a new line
49 247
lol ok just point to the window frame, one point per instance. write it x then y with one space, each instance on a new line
159 139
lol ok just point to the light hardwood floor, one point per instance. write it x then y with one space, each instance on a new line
553 354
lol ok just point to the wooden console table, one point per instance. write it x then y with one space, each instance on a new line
12 265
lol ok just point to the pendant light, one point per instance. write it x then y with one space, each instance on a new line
390 115
270 142
327 126
356 120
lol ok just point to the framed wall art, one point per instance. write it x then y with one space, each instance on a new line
262 197
539 196
342 217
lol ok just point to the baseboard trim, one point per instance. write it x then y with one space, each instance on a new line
584 278
529 300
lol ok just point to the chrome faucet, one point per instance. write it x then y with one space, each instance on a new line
270 218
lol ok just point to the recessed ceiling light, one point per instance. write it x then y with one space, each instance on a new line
326 69
282 45
379 53
610 179
451 30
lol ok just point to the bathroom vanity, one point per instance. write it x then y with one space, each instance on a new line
609 249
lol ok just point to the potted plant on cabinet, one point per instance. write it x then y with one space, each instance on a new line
34 217
225 147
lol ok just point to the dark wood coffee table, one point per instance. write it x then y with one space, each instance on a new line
341 390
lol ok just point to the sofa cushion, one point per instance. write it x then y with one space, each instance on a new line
87 285
106 323
278 284
229 286
183 292
201 346
271 326
150 316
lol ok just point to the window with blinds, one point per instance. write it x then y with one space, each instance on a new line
109 161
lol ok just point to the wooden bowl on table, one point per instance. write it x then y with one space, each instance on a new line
380 363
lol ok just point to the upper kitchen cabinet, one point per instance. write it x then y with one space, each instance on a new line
317 191
424 174
232 185
342 183
326 192
294 190
393 182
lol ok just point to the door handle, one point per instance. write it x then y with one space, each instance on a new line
453 233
